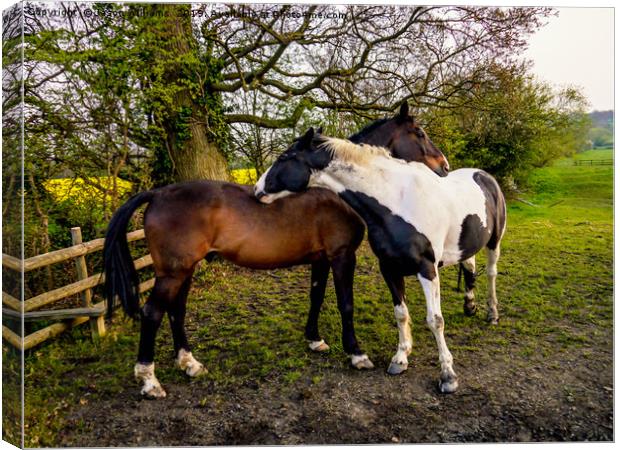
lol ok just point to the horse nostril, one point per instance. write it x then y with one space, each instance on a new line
442 170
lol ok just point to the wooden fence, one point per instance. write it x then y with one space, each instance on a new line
31 309
594 162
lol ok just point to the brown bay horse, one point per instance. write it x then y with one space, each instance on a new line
185 223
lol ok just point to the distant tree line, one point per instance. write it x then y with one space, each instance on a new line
601 134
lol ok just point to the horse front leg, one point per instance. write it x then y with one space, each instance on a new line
430 284
176 314
396 285
343 268
318 282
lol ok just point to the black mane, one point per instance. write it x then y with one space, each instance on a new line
357 137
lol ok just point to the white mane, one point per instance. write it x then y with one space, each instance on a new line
347 151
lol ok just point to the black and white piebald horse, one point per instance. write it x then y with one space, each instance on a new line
417 222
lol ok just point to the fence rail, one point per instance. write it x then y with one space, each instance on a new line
30 309
594 162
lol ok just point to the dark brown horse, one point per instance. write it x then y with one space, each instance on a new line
187 222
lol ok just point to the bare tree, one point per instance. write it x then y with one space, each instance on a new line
368 59
191 69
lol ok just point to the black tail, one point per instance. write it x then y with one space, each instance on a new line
121 277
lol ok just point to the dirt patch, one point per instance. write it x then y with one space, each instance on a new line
565 398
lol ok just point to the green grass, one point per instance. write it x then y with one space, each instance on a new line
555 294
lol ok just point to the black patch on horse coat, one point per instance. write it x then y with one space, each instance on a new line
397 243
470 279
495 206
474 235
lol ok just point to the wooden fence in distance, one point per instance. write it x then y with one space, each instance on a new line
31 309
594 162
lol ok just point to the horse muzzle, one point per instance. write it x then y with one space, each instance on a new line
268 198
259 194
442 170
263 197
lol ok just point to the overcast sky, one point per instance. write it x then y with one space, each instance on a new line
577 48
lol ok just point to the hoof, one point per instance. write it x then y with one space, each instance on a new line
196 370
153 391
448 386
151 388
186 362
493 320
362 362
470 310
396 368
318 346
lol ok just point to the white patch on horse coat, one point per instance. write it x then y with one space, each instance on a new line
361 361
260 184
186 361
470 265
268 198
150 384
435 206
318 345
435 322
405 342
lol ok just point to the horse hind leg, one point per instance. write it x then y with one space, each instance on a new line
151 315
469 274
492 258
176 314
343 268
448 381
318 281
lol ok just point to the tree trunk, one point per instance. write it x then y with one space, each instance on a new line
198 158
194 155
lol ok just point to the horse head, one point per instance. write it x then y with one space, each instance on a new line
291 172
403 136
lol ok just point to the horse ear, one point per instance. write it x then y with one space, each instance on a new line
307 138
320 130
404 110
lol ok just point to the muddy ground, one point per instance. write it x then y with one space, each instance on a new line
514 399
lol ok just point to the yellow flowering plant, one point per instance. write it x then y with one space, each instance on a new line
86 190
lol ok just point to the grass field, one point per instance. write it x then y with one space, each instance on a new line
555 290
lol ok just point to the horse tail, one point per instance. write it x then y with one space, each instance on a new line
121 277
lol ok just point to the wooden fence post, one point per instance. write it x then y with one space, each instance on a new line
97 324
